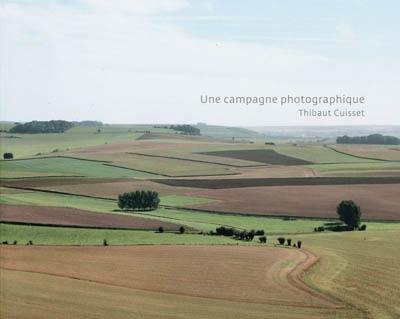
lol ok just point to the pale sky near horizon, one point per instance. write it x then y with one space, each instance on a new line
149 61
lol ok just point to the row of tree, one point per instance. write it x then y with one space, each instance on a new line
139 200
237 234
369 139
186 129
35 127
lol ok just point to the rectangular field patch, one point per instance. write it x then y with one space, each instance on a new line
265 156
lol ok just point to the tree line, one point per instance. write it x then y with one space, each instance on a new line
53 126
369 139
185 129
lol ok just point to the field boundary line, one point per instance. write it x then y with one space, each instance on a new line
111 164
181 221
288 181
55 156
165 175
45 176
358 156
81 226
197 161
57 192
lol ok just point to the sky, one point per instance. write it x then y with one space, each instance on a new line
151 61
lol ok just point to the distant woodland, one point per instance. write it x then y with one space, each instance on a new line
57 126
369 139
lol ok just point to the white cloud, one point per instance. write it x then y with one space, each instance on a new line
346 32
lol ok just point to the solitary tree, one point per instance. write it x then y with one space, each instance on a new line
350 213
8 156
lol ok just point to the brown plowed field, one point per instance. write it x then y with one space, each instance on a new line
234 273
290 181
76 217
376 201
97 187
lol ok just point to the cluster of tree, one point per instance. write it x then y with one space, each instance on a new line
238 234
7 156
15 242
181 230
139 200
369 139
34 127
186 129
349 214
282 240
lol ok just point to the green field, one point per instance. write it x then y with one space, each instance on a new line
80 236
61 166
359 169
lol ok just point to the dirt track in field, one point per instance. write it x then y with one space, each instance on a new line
75 217
234 273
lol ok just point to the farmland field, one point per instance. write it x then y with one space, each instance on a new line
257 182
157 269
67 198
201 220
353 265
317 154
263 156
389 169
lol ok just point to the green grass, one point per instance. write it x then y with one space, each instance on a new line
61 166
49 199
80 236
